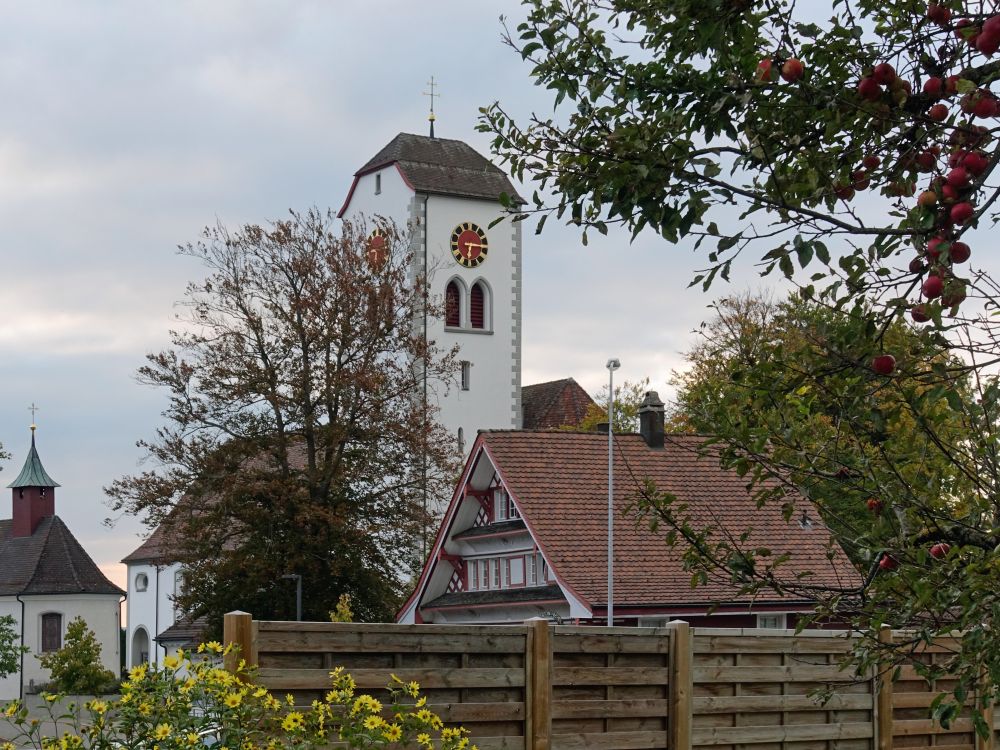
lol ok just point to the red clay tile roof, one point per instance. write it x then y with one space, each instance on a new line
556 403
157 549
559 480
50 561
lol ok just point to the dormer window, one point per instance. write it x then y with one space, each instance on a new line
503 506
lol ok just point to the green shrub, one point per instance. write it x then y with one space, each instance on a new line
190 701
76 667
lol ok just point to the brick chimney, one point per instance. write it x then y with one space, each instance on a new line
651 420
33 494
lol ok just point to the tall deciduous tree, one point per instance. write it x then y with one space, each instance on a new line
10 647
854 157
295 443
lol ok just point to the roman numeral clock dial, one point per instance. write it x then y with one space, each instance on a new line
469 245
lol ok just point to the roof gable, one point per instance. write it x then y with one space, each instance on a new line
440 166
560 482
50 561
557 403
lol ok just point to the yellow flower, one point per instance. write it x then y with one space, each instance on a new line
192 738
293 722
422 702
162 731
7 746
171 662
260 692
463 743
213 647
232 700
393 733
145 709
450 733
374 722
424 715
98 707
289 699
51 698
413 688
12 708
272 703
424 739
135 674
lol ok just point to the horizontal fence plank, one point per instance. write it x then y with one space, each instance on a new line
602 740
745 703
609 709
373 679
610 676
282 626
611 644
787 644
788 673
470 712
500 743
910 727
780 733
369 642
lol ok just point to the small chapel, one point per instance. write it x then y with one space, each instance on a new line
47 580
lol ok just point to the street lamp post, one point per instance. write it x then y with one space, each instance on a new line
298 594
613 364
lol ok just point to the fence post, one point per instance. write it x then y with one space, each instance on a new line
237 628
681 685
883 686
985 743
538 685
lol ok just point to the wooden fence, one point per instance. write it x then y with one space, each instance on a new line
541 687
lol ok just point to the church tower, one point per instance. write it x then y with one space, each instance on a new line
33 494
448 195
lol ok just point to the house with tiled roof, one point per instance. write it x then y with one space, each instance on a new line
526 535
556 403
47 580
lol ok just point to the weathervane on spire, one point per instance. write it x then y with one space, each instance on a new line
431 94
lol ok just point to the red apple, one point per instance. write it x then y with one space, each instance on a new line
871 161
888 562
917 265
859 179
844 192
792 70
958 177
988 43
940 550
926 161
932 287
949 193
976 163
869 89
987 105
934 246
959 252
934 87
992 25
951 85
764 72
962 212
884 364
938 14
919 313
884 73
967 31
927 199
938 113
875 505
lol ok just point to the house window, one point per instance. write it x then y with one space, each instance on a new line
452 305
516 571
495 573
466 374
773 621
378 183
141 582
484 575
472 572
51 632
461 440
178 589
477 306
503 506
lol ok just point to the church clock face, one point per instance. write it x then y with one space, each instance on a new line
469 245
378 247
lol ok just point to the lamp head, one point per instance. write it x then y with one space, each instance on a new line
613 364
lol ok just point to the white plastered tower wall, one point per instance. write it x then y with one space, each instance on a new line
493 398
150 611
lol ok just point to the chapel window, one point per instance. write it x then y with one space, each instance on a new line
51 632
477 306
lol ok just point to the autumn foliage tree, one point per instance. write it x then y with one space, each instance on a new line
294 442
855 157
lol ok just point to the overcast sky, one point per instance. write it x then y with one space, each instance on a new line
128 126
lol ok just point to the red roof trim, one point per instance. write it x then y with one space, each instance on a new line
534 536
449 518
750 608
359 175
494 605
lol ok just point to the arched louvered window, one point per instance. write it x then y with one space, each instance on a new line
452 306
477 306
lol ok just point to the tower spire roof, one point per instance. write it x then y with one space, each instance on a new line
33 474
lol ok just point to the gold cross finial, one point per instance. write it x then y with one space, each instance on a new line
432 93
33 409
